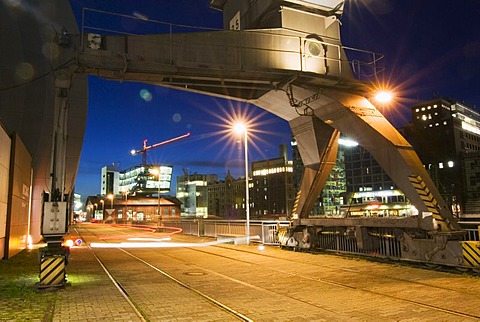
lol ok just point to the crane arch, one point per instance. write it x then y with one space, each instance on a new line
303 77
318 105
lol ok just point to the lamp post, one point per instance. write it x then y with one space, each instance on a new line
159 213
110 196
95 207
158 197
125 205
241 128
102 207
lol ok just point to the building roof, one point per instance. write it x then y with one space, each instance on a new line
134 200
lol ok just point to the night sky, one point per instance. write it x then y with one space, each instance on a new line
431 48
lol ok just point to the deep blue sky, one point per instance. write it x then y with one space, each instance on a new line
430 47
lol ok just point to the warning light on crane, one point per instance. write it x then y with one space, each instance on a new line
145 148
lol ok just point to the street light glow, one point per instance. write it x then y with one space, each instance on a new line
239 127
110 196
383 96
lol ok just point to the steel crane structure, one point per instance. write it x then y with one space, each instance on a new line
145 148
285 56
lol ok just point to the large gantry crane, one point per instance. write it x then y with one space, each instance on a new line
286 56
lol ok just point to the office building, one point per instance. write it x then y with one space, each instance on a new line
332 195
192 191
145 180
226 198
369 191
110 180
270 191
471 164
272 187
446 135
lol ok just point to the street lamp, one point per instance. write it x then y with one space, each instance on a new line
110 196
159 213
241 128
102 208
125 205
95 207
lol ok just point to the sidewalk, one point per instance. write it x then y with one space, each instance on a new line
20 300
88 296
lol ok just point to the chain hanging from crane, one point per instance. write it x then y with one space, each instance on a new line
307 111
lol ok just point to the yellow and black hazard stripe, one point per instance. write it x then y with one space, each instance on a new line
52 271
471 253
295 203
428 199
282 235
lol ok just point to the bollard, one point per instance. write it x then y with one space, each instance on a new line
53 261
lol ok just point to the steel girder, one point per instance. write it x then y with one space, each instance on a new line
357 118
222 64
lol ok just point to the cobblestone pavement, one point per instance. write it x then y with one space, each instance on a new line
266 285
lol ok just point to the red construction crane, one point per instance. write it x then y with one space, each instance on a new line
145 148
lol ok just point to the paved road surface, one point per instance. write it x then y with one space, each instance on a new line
188 279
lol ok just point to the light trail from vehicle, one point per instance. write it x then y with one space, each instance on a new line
158 244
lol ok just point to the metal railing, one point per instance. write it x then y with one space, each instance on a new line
265 230
334 239
282 51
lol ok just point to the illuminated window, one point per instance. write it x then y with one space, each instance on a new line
423 108
417 110
440 165
424 117
450 164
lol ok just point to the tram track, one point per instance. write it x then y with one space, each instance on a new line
134 303
347 286
393 278
258 261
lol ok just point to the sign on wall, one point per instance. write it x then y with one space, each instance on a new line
235 22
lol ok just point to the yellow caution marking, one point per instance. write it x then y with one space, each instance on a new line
428 199
295 204
471 253
52 271
282 235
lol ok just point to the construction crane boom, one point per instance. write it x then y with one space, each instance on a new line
145 148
